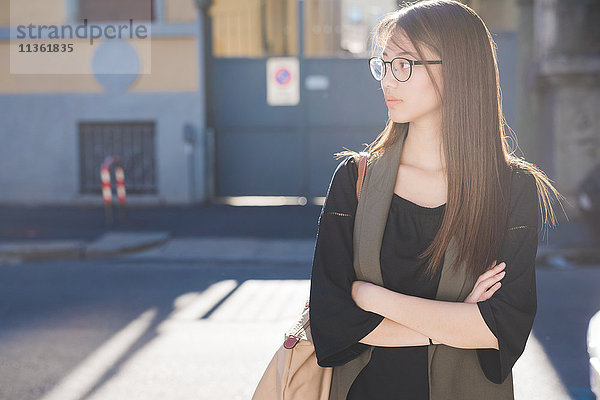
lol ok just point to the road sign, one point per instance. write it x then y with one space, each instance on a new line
283 83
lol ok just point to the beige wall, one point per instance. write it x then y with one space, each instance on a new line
180 11
174 68
32 11
4 12
237 26
25 83
174 59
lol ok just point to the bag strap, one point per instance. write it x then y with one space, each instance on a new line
362 171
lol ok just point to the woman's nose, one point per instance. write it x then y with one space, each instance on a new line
389 81
388 86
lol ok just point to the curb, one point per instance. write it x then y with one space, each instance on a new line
113 243
160 245
568 257
42 250
109 244
231 250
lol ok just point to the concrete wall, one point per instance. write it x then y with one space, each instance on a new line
560 71
39 114
40 155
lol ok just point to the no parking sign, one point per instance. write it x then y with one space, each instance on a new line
283 83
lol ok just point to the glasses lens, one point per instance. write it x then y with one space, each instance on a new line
401 68
376 65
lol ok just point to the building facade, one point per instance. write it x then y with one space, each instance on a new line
198 127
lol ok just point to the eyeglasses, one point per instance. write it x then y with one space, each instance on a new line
401 67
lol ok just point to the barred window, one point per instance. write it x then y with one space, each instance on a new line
132 142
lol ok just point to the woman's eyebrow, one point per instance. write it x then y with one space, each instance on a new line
400 53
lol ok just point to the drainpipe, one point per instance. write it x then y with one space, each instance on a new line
204 49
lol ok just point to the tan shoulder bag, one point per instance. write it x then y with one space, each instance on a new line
293 373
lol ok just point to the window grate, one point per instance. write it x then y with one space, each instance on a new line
132 142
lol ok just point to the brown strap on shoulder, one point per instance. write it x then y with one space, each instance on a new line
362 171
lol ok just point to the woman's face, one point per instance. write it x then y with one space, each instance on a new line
417 96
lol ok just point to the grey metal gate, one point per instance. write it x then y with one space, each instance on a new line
287 150
264 150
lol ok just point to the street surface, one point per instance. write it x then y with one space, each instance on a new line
160 325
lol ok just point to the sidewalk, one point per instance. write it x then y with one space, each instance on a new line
210 233
213 232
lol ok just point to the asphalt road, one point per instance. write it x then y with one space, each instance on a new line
149 329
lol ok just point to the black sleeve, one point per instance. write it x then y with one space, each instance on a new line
510 312
336 322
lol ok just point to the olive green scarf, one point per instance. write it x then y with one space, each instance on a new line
454 373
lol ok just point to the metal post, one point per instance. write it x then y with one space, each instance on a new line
189 139
303 123
205 59
106 191
107 188
120 181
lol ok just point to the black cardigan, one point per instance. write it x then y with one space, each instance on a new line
337 323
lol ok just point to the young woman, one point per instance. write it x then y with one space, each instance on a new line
456 178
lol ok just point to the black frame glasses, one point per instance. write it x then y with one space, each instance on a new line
410 62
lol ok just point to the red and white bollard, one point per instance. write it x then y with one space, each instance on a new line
120 178
107 190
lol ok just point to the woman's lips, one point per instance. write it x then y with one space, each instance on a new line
392 102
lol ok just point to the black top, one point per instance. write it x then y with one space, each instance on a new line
410 228
337 323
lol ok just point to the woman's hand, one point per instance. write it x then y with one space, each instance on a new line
360 293
487 284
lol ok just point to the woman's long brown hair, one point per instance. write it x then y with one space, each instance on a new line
478 158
